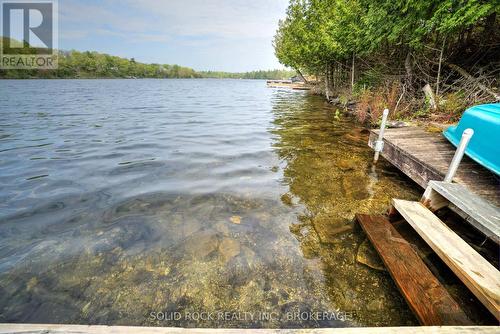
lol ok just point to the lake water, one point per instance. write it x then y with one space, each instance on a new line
123 201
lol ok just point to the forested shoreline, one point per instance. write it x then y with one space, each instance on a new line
261 74
425 59
90 64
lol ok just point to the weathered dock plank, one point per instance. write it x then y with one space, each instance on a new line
428 299
482 279
425 156
100 329
484 216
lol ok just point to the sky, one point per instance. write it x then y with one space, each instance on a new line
222 35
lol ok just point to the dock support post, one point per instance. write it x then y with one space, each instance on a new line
379 144
459 153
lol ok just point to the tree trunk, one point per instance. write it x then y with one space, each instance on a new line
439 67
409 70
428 93
301 76
327 83
476 81
333 76
352 73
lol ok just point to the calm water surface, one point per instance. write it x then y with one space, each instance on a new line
119 198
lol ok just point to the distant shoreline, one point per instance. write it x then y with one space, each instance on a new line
94 65
118 78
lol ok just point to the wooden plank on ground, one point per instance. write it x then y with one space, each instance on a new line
471 268
100 329
428 299
481 214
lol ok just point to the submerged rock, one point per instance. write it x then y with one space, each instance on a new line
190 226
201 244
31 283
235 220
368 256
286 199
229 248
355 186
263 218
347 164
375 305
250 257
309 246
222 228
328 228
85 309
356 135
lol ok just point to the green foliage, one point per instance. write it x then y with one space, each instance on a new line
75 64
452 15
318 32
393 48
452 105
337 115
421 112
270 74
370 78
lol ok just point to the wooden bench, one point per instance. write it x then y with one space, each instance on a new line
482 279
428 299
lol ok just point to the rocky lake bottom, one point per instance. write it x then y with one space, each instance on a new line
134 202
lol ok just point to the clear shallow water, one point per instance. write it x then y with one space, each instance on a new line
119 198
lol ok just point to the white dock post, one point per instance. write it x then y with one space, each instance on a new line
459 153
379 144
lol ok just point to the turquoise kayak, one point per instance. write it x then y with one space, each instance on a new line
484 146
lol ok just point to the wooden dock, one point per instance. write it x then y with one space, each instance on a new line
287 84
481 214
425 156
473 192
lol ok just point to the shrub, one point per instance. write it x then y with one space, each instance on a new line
451 107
